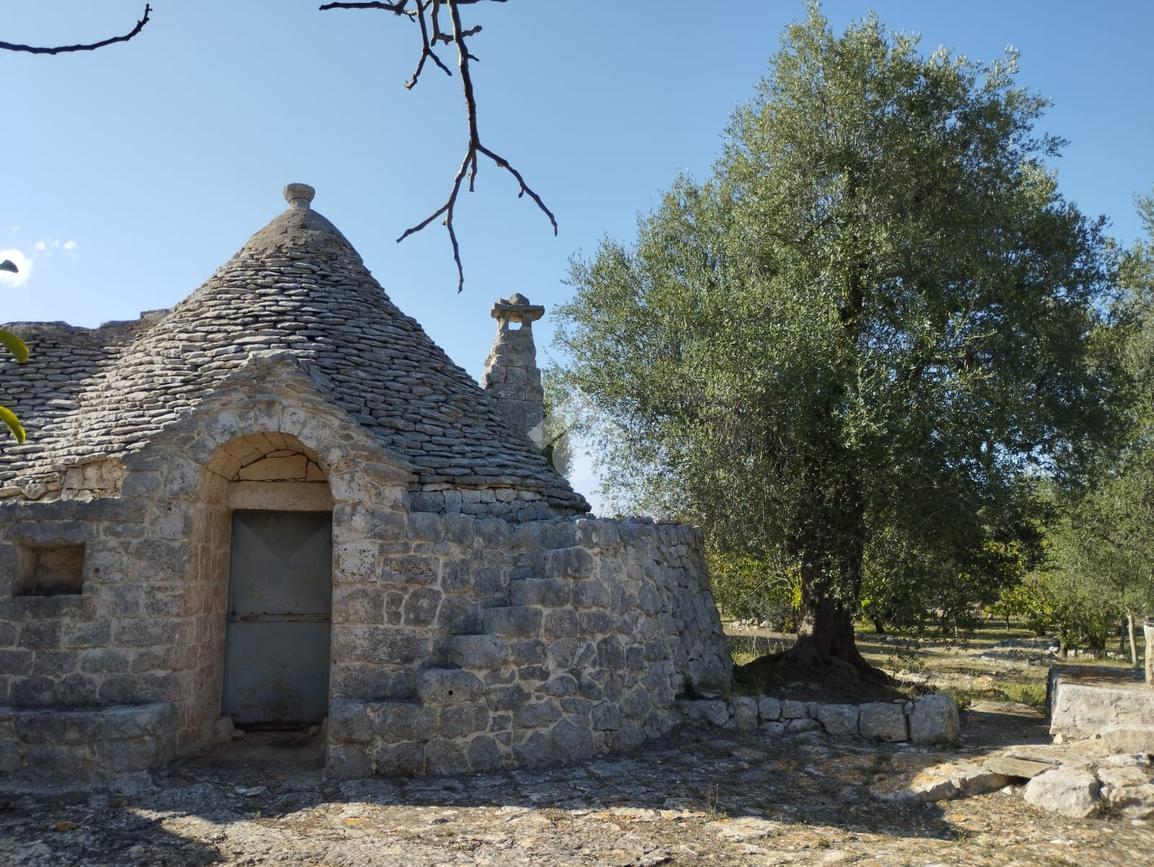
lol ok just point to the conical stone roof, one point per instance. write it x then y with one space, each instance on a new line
297 287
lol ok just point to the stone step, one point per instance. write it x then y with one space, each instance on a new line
541 591
478 652
512 621
437 686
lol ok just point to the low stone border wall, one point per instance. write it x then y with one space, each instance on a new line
929 719
83 743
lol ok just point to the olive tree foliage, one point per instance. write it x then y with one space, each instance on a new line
873 319
1099 565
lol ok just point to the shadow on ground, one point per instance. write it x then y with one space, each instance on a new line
709 792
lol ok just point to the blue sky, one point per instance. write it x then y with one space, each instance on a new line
131 173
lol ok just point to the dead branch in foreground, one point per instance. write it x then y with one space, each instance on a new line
90 46
427 15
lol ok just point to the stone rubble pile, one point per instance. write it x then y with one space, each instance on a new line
1076 781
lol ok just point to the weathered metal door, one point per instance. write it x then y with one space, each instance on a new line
280 598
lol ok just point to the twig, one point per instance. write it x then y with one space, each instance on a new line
92 46
427 14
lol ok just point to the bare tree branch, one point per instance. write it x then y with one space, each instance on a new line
426 13
92 46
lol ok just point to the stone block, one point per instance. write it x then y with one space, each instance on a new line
504 698
1127 791
349 722
147 720
420 608
347 761
772 729
478 651
636 705
57 727
883 721
398 759
400 721
589 593
713 712
744 709
934 720
483 754
535 751
570 563
463 720
560 685
951 780
1019 769
800 725
1086 699
448 686
791 709
1134 739
126 756
515 621
445 757
541 591
606 716
572 740
768 709
561 623
1071 792
838 719
536 714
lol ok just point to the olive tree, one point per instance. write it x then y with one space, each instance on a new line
874 318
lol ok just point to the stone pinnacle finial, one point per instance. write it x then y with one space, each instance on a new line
511 376
516 308
299 195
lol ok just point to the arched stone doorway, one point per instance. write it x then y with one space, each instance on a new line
265 549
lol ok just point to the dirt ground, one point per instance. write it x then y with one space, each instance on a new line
703 796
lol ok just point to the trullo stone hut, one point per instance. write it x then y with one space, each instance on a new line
280 502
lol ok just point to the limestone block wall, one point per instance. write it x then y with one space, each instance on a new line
459 641
469 644
114 641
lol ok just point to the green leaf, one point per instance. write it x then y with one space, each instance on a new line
14 345
13 423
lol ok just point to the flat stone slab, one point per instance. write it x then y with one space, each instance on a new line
1022 769
1086 699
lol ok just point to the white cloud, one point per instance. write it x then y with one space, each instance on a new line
23 262
48 246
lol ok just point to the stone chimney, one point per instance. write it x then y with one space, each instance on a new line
511 376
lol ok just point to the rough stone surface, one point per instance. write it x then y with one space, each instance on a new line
934 720
1127 791
689 799
883 721
298 289
1071 792
1021 769
1127 738
745 714
511 376
838 719
948 781
478 620
1084 700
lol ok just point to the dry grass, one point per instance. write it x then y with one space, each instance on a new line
991 663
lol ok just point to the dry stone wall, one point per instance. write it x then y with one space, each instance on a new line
458 641
516 644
